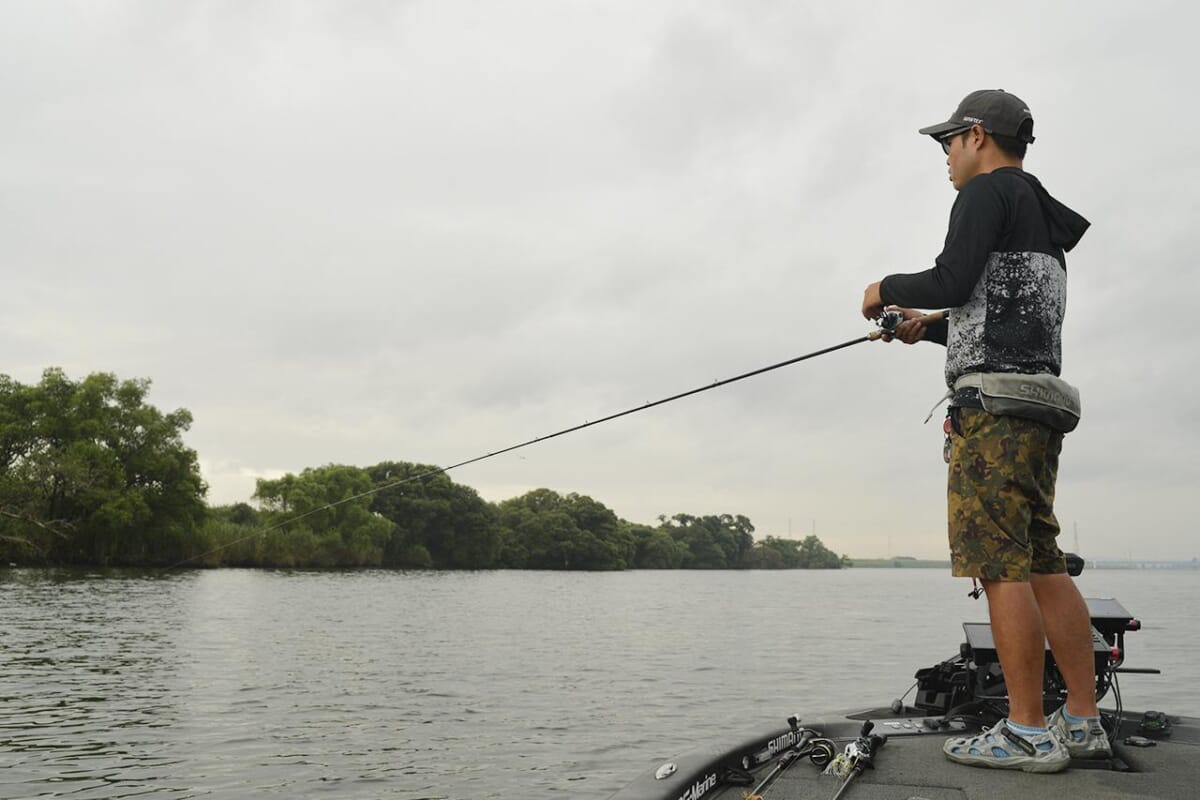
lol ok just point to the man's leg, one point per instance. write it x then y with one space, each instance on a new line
1069 629
989 520
990 513
1022 741
1018 631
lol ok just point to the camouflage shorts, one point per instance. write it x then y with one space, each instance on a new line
1001 497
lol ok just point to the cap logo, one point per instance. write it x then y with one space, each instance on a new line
976 120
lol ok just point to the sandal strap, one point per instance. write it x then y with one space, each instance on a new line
1024 744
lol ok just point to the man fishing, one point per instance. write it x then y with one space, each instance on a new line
1002 274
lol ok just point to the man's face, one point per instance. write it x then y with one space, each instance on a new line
962 155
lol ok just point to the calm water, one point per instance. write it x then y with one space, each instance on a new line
232 683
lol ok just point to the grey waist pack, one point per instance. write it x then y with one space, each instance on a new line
1042 398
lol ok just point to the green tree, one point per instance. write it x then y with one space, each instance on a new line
815 555
654 548
324 519
230 536
711 542
439 523
775 553
238 514
91 473
545 530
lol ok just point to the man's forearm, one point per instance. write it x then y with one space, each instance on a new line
928 289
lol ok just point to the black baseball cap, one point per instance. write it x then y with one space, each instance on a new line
995 110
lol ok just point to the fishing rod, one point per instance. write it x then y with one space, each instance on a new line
888 322
809 743
859 755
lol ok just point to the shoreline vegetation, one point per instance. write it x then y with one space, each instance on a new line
92 475
900 562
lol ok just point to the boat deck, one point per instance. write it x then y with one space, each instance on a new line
911 766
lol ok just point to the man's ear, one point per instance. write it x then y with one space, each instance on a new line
975 137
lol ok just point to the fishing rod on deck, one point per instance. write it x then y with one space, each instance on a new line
888 322
859 755
808 743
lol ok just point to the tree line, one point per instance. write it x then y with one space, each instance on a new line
90 473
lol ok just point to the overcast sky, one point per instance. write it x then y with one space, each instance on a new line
355 231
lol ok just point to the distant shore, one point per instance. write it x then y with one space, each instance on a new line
900 562
904 562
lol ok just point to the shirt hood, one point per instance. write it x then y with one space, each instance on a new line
1066 226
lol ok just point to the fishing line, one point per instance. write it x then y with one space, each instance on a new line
887 328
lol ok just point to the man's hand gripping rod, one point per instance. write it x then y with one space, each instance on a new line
892 319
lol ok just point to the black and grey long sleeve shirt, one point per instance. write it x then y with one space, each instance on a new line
1002 273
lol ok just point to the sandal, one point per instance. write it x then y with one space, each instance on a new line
1001 748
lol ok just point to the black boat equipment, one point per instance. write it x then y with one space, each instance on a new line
887 323
970 686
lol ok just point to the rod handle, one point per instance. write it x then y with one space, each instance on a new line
927 319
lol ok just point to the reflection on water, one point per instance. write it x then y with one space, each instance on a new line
238 683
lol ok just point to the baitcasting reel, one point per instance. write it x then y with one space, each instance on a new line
889 321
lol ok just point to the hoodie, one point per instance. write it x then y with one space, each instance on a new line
1003 275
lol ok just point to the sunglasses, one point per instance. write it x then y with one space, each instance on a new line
945 139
